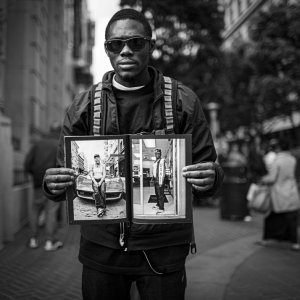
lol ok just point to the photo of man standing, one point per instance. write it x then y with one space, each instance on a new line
97 174
159 174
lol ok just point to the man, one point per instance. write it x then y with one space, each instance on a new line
115 255
159 173
40 157
97 174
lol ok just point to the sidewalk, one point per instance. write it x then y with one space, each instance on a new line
227 266
34 274
237 268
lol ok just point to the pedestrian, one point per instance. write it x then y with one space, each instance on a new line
97 174
236 157
282 222
41 156
116 255
270 155
159 175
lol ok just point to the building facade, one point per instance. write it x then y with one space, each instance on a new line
38 81
237 14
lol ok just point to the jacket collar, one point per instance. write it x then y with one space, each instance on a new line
157 85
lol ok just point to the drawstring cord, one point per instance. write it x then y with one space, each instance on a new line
148 261
122 243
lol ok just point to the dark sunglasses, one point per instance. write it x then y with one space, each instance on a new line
134 43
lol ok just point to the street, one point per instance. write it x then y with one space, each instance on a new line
228 265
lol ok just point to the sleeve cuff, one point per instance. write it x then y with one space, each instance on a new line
51 196
217 184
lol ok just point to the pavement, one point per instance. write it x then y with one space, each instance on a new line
228 264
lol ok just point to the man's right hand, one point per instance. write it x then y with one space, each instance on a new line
59 179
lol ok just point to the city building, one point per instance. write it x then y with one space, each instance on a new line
45 59
237 14
237 17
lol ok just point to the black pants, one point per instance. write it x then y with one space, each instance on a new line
106 286
99 195
159 192
281 226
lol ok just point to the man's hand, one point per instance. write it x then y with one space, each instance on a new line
201 176
58 179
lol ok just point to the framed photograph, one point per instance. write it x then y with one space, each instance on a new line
99 193
159 192
128 178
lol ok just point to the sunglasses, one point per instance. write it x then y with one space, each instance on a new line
134 43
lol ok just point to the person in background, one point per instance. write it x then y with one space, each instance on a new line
237 164
40 157
235 157
270 155
114 256
159 174
97 174
282 222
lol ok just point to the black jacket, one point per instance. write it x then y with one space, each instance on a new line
189 119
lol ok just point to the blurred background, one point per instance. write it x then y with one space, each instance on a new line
241 57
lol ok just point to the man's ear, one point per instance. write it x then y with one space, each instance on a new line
152 45
105 50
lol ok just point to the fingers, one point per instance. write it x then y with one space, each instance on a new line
199 167
60 171
201 175
58 179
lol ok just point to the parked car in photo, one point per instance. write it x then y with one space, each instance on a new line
115 188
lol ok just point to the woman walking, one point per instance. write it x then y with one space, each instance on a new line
282 222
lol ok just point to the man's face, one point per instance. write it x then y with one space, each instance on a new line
157 155
97 159
130 65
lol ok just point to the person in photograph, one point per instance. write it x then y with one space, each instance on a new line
116 255
97 174
159 174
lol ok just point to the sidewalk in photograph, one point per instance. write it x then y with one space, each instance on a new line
228 265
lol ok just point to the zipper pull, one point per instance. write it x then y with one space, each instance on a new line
193 247
121 239
122 236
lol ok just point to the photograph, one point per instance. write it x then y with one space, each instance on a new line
159 192
99 193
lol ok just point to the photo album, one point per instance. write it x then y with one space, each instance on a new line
129 178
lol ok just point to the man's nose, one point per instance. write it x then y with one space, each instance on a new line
126 50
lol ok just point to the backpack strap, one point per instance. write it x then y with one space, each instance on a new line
97 104
170 92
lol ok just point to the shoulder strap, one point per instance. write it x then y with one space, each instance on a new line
170 93
97 104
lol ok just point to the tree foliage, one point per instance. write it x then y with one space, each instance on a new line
188 39
263 74
276 56
237 109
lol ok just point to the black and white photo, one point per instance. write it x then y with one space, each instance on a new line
99 192
159 191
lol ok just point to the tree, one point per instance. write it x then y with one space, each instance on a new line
238 108
188 39
276 36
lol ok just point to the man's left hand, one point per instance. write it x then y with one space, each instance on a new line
201 176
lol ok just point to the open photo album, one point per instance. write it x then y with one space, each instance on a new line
129 178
